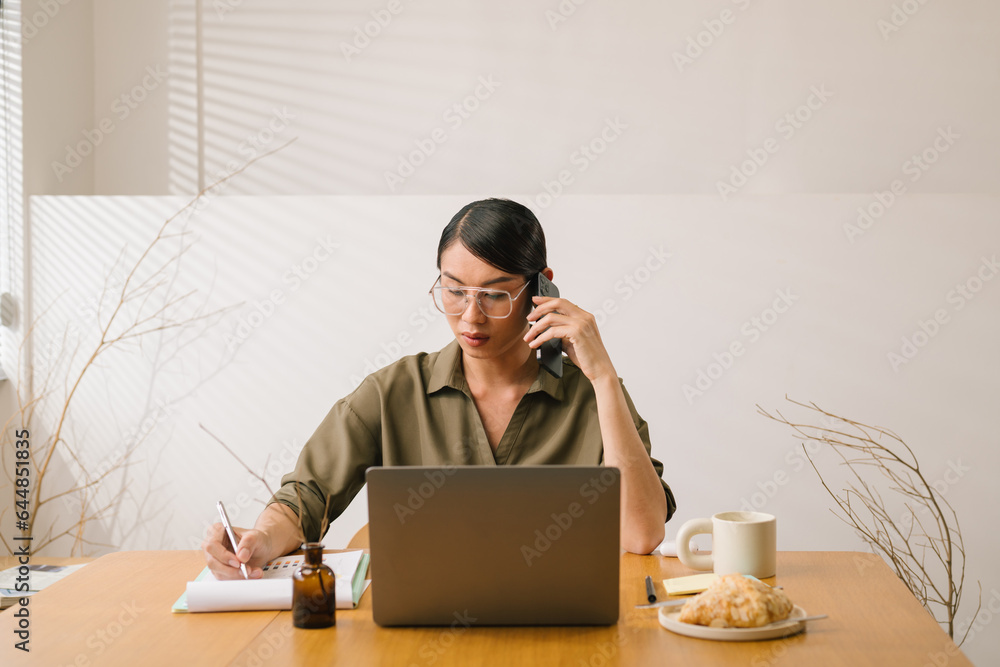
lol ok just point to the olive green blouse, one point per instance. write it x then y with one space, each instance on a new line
419 411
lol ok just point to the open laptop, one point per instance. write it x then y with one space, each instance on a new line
484 545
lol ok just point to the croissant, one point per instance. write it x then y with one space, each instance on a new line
738 602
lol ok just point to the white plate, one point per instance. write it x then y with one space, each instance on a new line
790 626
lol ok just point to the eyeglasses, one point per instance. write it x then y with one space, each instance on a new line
493 303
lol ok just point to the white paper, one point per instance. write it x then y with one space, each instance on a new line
239 595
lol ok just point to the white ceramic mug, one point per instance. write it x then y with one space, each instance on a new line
742 542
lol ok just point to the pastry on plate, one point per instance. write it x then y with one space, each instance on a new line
735 601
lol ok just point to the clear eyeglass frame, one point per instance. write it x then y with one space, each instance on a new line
438 292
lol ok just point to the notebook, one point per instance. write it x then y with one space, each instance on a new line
486 545
274 589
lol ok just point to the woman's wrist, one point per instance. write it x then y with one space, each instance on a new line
279 528
605 380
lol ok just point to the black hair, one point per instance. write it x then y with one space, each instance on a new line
502 233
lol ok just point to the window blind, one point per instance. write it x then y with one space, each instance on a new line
11 169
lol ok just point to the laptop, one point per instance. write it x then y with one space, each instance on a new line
485 545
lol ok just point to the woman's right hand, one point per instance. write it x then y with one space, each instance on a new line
253 550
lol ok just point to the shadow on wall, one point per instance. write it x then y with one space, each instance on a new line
246 77
397 98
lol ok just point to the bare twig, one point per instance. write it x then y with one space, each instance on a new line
928 554
302 537
142 304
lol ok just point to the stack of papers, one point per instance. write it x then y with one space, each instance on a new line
39 577
274 590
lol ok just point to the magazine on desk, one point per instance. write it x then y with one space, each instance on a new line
39 577
273 591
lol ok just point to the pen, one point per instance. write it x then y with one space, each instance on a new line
232 537
650 591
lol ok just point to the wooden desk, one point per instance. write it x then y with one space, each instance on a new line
116 611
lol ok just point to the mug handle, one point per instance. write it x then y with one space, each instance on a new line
684 535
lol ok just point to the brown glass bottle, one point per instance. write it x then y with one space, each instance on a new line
314 598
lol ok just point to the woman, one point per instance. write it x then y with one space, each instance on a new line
482 400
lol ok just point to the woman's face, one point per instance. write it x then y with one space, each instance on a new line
482 337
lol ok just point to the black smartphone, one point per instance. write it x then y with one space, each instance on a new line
549 353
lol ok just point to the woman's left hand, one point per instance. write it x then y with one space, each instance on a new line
555 317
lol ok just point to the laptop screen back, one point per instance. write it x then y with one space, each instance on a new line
484 545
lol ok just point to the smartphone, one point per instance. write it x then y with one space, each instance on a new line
549 353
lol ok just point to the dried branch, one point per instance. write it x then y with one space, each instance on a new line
141 305
301 536
928 554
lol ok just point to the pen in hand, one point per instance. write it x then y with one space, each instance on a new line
232 537
650 591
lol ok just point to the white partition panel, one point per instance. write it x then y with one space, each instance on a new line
708 310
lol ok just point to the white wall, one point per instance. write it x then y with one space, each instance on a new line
687 123
131 41
58 49
226 98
